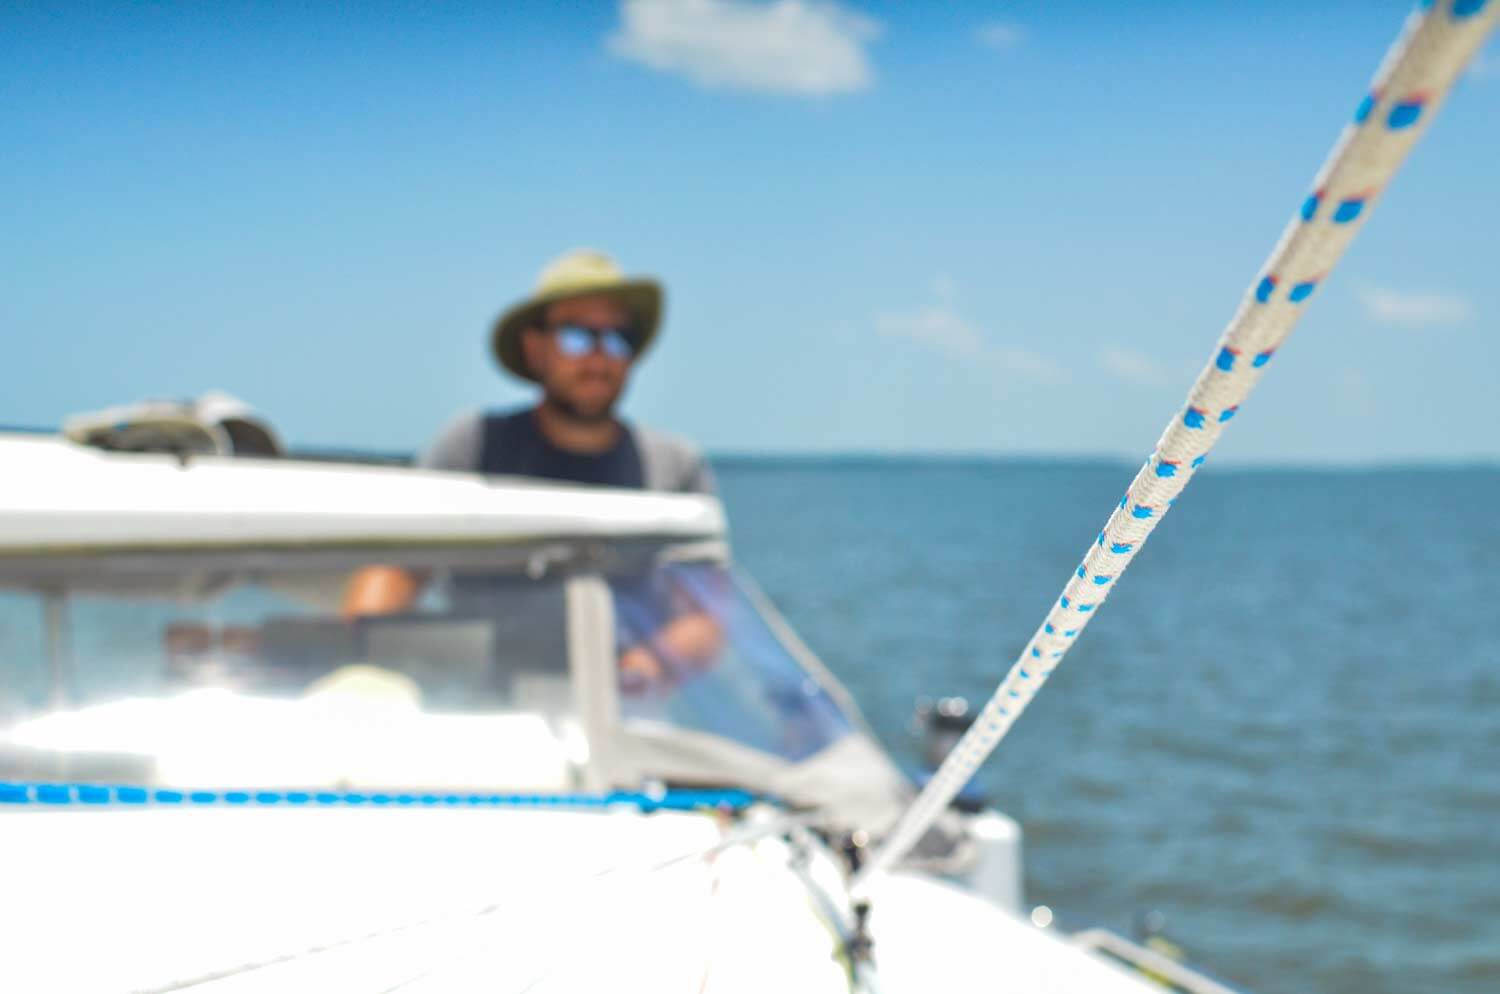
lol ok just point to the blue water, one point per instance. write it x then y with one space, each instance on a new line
1282 731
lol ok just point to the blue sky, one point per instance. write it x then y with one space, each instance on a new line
998 228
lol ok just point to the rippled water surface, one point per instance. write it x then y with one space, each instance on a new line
1282 731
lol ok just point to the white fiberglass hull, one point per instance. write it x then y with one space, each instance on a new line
228 899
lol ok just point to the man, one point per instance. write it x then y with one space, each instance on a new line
578 337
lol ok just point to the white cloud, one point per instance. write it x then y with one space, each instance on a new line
948 333
1000 35
795 47
1135 367
1414 309
939 328
1009 359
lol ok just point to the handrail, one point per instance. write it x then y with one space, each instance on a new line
1179 975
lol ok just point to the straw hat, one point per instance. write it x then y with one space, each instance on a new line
580 273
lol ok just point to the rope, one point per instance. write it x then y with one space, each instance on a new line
1409 87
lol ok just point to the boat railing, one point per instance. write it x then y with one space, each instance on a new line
1165 970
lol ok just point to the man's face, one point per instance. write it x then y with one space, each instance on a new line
586 385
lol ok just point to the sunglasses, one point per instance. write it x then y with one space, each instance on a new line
574 340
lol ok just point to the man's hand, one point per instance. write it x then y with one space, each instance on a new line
692 643
692 640
381 590
639 669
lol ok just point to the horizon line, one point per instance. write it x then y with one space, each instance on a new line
931 456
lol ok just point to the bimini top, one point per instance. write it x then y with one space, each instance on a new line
62 498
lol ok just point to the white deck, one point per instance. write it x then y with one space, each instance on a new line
149 900
427 900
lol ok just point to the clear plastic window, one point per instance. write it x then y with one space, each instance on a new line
222 684
23 655
694 652
470 645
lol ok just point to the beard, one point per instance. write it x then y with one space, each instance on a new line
583 412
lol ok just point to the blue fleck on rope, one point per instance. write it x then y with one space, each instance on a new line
115 795
1439 40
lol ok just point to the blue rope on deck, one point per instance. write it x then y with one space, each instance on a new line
60 794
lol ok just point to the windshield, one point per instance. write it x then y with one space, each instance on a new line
218 683
478 649
212 679
695 653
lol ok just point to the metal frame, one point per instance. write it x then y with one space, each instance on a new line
1180 976
591 626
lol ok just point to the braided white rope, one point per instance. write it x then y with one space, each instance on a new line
1437 42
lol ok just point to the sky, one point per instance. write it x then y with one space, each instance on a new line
1002 228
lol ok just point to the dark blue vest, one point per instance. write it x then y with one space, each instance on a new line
514 445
